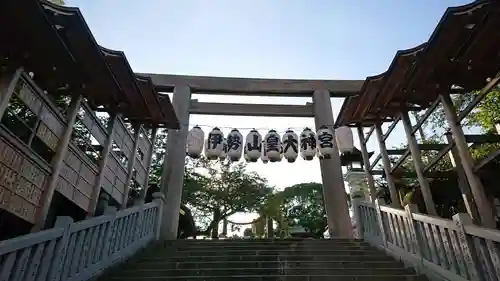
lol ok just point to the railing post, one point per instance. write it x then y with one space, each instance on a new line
416 235
377 203
61 250
467 246
359 233
109 236
159 198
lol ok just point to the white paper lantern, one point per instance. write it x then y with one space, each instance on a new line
253 145
273 146
195 138
345 141
214 144
281 152
263 155
234 145
317 153
307 144
290 145
245 155
223 153
325 141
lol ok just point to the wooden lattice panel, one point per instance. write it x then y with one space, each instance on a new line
77 179
21 183
114 178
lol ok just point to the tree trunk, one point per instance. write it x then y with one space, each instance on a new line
270 227
224 227
215 224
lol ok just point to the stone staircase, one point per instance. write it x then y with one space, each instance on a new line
287 259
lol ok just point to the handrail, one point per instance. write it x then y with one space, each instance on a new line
440 248
80 251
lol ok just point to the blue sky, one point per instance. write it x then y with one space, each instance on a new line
320 39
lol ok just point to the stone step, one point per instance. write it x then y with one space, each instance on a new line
269 247
266 264
277 242
410 277
262 271
280 253
265 258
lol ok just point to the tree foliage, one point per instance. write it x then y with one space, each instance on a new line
214 190
304 206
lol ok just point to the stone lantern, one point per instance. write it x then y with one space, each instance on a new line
355 175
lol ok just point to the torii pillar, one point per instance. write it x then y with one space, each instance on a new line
337 210
172 179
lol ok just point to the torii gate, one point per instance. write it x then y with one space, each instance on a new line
321 91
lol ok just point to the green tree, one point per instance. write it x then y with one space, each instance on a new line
304 206
248 233
214 190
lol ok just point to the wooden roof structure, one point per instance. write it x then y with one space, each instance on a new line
55 43
461 54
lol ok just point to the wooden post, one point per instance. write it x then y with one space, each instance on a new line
149 159
463 184
419 166
131 163
387 167
8 82
366 165
483 204
57 164
466 244
102 164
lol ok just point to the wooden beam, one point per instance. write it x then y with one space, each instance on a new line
369 134
432 146
479 139
242 109
479 97
400 160
255 86
372 166
487 160
426 116
440 155
397 151
392 127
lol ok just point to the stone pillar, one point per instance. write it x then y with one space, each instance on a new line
357 185
387 167
366 164
57 163
337 210
483 204
173 167
416 156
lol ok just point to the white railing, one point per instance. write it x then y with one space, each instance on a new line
79 251
442 249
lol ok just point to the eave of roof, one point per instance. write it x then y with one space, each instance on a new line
35 45
454 55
